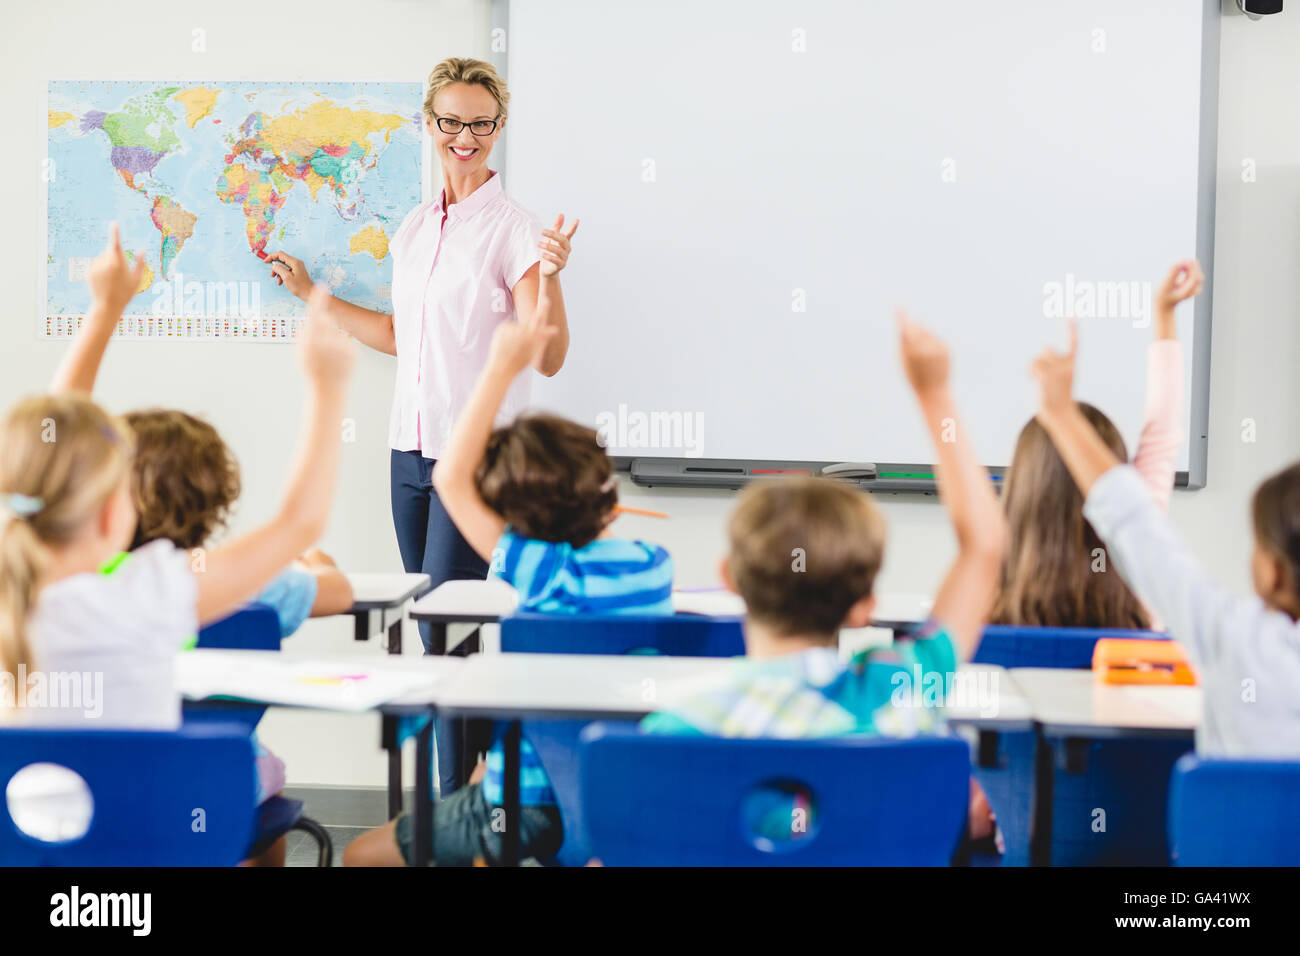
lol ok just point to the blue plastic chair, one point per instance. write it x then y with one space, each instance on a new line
140 818
1065 647
673 635
255 627
556 741
1234 812
661 800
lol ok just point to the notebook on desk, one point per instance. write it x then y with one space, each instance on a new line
319 684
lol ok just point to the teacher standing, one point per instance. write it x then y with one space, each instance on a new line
462 264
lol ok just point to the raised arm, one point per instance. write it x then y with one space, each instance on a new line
537 293
1145 549
1158 445
968 590
239 569
370 328
113 283
515 346
1085 454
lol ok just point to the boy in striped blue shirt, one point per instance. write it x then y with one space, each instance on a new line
534 499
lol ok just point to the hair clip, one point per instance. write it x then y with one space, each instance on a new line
24 506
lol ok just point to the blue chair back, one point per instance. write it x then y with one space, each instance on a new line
254 627
1064 647
661 800
1234 813
147 787
556 741
674 635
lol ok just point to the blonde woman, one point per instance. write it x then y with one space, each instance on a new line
462 265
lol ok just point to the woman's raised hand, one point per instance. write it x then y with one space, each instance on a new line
554 246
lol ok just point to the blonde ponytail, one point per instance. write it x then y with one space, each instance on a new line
61 458
22 563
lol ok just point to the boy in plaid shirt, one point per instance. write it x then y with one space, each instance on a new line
804 554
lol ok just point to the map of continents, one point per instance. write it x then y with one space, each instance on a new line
204 176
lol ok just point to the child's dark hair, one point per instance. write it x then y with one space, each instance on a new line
549 478
1275 511
185 478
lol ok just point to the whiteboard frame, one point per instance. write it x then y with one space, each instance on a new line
1198 441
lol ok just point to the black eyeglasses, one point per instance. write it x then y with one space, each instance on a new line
479 127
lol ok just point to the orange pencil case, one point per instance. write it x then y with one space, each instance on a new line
1141 661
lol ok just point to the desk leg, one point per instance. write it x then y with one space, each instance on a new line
437 637
423 828
471 645
1040 833
395 636
361 626
389 741
510 796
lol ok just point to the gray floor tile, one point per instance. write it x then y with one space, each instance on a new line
304 853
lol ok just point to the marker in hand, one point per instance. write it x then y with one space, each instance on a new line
265 258
286 268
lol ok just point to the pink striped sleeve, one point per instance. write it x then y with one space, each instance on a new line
1158 446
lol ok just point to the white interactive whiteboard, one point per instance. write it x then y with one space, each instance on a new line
761 182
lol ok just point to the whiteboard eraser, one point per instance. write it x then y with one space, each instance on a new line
850 469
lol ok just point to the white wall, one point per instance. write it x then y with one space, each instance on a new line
1256 304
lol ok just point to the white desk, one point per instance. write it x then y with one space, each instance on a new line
463 602
577 686
1073 703
987 697
486 602
338 684
396 688
383 594
1071 708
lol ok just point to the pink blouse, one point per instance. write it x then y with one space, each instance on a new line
454 269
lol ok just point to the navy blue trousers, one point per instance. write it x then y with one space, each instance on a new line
429 542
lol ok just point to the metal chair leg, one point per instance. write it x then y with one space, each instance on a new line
325 846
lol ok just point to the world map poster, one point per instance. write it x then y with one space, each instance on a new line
205 178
